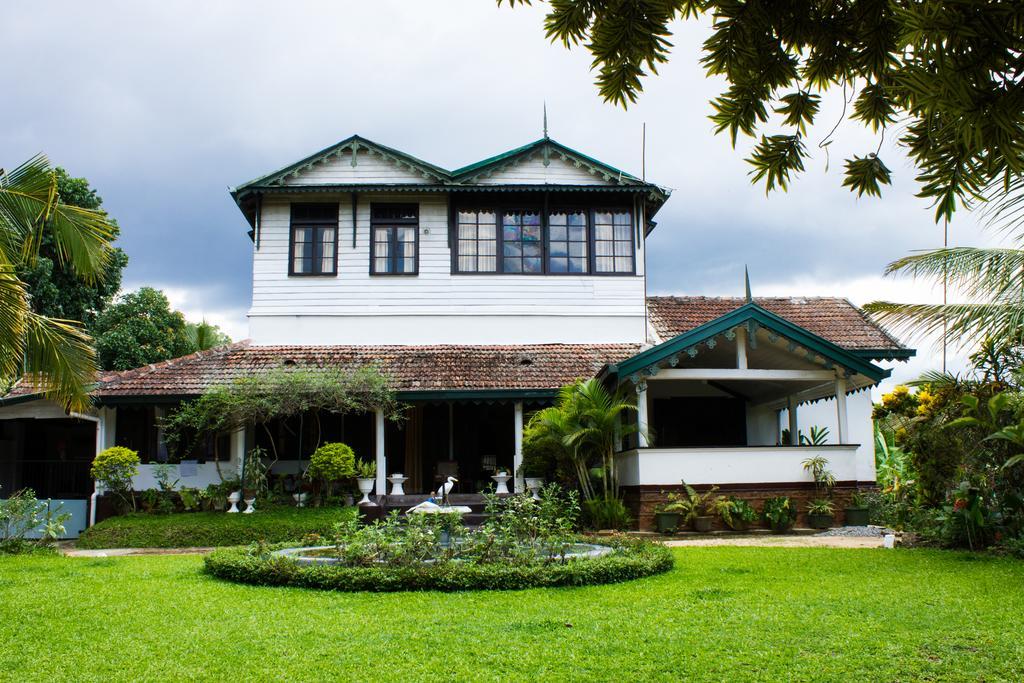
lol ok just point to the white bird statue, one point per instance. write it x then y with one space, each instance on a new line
446 488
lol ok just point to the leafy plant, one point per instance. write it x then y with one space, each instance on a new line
332 463
366 469
779 513
824 478
693 504
20 514
606 513
114 468
738 513
821 506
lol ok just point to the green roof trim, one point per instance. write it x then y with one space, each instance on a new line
885 354
21 398
476 394
498 160
751 312
352 142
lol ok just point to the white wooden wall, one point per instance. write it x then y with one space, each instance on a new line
532 171
434 306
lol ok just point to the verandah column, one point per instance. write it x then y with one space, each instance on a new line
381 485
517 456
794 427
641 414
841 418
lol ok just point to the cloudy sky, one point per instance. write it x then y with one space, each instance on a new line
164 106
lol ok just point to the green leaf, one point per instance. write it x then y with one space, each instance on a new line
774 158
799 108
864 175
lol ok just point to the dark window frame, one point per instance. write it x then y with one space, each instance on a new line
317 226
593 240
457 238
394 223
499 210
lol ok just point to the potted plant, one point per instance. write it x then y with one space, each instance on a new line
533 470
779 513
738 514
668 514
700 508
820 513
857 513
366 475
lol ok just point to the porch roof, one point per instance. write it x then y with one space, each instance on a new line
415 372
750 316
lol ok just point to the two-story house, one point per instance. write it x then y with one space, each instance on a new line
479 292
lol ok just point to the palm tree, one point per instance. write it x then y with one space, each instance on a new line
205 336
991 281
56 356
586 421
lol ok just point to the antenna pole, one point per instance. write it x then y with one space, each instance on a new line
643 153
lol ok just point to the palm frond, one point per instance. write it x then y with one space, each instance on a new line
976 273
963 324
59 360
13 311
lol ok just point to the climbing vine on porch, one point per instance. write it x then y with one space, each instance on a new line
255 400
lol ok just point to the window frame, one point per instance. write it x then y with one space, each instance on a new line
456 238
317 226
499 210
393 242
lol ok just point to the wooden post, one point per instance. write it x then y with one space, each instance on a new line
794 427
517 457
641 414
382 465
741 348
841 417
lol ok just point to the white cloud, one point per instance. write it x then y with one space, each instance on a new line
198 304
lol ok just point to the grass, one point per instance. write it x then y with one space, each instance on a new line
722 614
207 529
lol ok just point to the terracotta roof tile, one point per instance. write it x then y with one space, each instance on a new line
410 368
831 318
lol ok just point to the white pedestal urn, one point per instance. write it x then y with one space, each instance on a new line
300 499
501 479
397 482
535 484
233 498
250 506
365 486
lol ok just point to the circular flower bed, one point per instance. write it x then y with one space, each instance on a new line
628 559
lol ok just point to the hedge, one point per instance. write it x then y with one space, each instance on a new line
633 560
212 529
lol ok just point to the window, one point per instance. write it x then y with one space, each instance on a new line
395 239
313 239
560 241
613 242
478 242
567 242
522 246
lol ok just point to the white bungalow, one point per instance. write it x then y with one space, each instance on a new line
479 292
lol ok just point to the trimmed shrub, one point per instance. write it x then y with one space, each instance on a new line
213 529
332 462
633 559
114 469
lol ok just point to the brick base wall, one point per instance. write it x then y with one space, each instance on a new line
641 500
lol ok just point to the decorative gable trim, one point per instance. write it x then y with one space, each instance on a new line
750 316
546 149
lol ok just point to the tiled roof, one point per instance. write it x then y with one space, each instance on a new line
410 368
832 318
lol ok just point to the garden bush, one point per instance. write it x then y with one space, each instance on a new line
114 469
632 559
213 529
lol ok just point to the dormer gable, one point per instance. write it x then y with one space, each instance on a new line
543 162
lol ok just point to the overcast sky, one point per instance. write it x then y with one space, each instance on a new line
164 106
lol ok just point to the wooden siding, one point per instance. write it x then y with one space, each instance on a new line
532 171
435 290
370 168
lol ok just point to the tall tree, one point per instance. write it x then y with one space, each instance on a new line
55 290
140 328
203 336
945 75
55 355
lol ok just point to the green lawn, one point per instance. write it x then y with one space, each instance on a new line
722 614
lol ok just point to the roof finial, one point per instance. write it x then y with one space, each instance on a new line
746 282
545 120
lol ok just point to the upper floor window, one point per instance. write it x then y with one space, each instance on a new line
522 242
613 242
526 241
314 239
478 242
568 242
394 244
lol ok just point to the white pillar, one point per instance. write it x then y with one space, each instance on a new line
841 417
517 457
794 426
236 452
451 431
641 414
741 348
382 465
